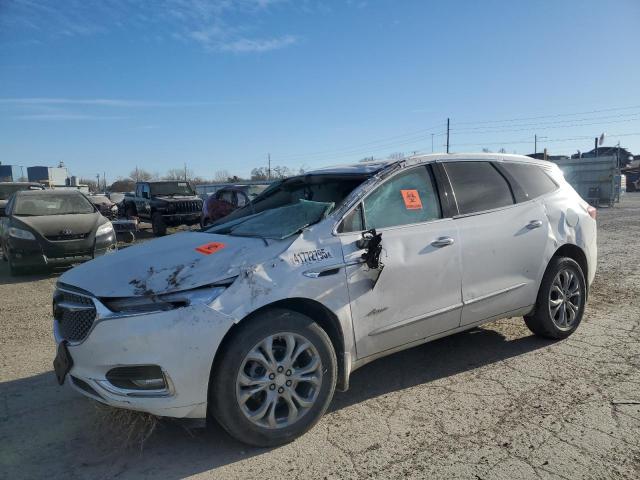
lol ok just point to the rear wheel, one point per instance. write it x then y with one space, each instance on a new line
561 300
274 380
158 225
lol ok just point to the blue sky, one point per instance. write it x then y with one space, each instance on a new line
111 84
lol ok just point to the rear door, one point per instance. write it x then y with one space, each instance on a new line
417 294
502 242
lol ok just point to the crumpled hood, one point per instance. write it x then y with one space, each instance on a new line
171 264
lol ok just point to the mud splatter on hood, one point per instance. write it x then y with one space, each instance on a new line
171 264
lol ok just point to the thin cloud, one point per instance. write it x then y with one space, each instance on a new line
102 102
65 117
245 45
215 25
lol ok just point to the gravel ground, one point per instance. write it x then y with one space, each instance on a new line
491 403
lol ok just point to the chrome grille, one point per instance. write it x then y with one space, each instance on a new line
74 313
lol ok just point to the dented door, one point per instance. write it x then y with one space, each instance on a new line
417 293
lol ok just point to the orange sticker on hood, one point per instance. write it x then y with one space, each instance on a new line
411 199
209 248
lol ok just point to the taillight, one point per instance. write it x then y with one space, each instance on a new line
592 211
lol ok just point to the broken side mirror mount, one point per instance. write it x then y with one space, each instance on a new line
371 241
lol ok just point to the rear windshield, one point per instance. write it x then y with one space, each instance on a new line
51 204
171 188
289 205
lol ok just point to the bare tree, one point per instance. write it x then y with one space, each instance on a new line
123 185
178 174
92 184
141 175
396 156
221 176
260 173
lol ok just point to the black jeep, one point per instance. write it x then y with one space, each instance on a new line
164 204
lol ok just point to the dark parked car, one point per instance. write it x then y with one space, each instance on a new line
228 199
52 228
104 205
164 204
9 188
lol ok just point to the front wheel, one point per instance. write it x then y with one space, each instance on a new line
561 300
274 380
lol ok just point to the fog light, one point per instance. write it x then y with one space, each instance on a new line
146 377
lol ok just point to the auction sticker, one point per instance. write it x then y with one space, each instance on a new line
209 248
311 256
411 199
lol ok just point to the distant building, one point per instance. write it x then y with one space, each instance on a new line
49 176
11 173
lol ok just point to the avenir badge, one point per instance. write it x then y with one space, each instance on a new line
209 248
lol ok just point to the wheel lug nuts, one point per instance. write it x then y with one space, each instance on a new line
280 369
289 382
272 386
272 376
280 390
288 373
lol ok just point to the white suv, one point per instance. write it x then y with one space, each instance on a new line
257 320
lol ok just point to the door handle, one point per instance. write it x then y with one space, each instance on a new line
534 224
442 242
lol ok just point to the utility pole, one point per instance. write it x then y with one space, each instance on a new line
98 183
596 146
447 135
185 171
104 180
432 143
269 166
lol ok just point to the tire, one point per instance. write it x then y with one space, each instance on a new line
158 225
287 330
561 300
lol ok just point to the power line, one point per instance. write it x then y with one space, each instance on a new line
588 119
551 140
550 116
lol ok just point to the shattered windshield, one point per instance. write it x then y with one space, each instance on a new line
290 205
277 223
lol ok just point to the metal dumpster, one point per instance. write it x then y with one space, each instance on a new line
594 178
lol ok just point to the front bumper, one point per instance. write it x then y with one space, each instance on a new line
181 218
31 253
182 342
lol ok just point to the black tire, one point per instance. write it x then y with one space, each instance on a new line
541 322
158 225
223 402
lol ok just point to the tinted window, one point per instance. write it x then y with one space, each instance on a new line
531 178
409 197
478 186
352 222
52 204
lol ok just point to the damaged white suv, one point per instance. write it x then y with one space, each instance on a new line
256 321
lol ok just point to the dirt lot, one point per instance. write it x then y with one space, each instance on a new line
491 403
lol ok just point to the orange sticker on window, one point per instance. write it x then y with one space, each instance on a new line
411 199
209 248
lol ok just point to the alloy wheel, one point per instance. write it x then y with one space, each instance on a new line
279 380
565 299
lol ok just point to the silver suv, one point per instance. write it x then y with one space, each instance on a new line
258 320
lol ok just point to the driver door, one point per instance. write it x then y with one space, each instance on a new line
417 294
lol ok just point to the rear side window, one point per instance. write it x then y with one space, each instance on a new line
531 178
409 197
478 186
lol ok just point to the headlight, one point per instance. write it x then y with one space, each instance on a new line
21 234
168 301
106 229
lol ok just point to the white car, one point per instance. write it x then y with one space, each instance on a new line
256 321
